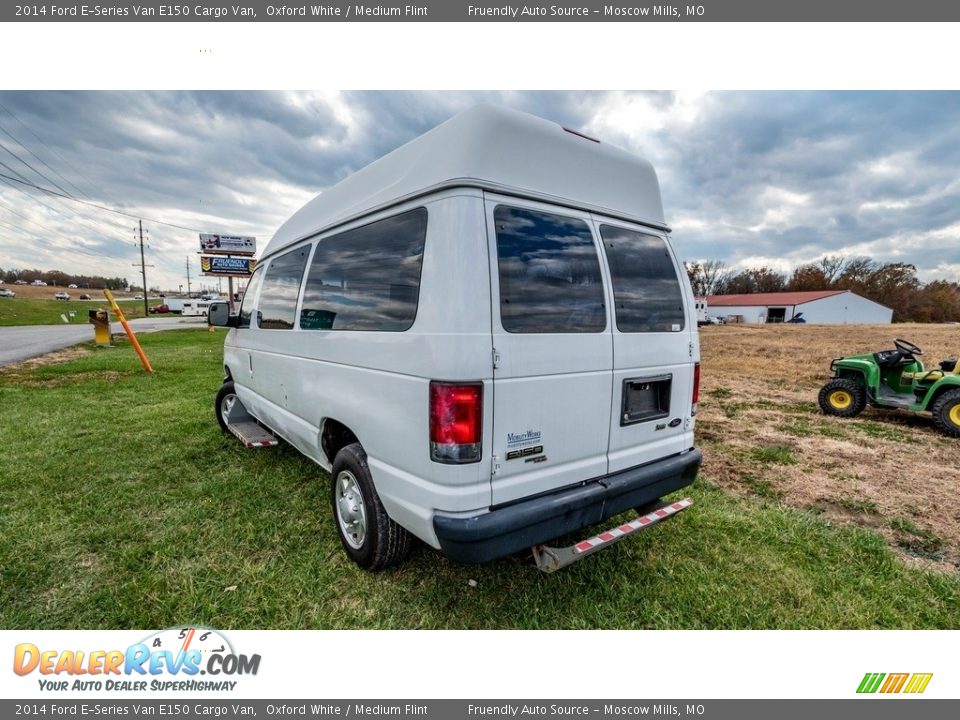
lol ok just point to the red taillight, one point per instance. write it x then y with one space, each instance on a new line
696 386
456 421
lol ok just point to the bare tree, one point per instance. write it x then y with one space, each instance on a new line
708 277
832 267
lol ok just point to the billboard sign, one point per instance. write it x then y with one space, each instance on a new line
228 244
227 266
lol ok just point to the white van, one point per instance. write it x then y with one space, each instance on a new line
486 339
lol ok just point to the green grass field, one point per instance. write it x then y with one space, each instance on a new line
34 311
125 507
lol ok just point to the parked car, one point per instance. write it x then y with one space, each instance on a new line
138 297
7 293
19 282
38 283
160 309
62 296
497 255
84 296
71 286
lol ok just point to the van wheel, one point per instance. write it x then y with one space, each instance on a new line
372 540
226 399
946 413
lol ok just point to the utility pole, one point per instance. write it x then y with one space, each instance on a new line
188 276
143 271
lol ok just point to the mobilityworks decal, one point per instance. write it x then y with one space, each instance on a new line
528 436
894 682
172 659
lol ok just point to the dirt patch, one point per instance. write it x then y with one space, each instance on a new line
51 358
763 435
69 378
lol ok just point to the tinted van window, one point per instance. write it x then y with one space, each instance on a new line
281 286
367 278
249 296
549 273
646 290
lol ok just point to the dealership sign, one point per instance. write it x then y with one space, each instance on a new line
217 265
228 244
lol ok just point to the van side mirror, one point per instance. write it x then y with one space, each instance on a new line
219 315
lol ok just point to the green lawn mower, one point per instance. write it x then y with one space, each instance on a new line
894 379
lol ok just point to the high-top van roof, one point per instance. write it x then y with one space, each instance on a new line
494 148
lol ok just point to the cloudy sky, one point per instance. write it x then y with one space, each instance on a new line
748 177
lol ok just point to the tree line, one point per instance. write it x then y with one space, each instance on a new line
894 284
58 277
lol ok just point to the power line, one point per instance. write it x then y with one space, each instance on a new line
34 235
101 207
45 177
58 187
45 163
49 207
40 140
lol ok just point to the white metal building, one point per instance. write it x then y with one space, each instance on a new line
825 307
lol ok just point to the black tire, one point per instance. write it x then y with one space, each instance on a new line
946 413
383 542
843 397
226 391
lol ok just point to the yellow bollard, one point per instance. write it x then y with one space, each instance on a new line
129 330
101 327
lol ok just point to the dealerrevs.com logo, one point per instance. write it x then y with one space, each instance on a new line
180 659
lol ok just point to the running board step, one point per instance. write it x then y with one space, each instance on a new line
252 435
550 559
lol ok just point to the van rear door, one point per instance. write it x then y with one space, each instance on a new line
553 349
654 346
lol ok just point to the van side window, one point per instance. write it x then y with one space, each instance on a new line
367 278
249 296
281 287
549 273
646 291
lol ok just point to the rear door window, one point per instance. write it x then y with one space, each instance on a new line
646 289
367 278
281 287
549 272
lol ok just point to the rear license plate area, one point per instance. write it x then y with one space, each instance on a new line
645 399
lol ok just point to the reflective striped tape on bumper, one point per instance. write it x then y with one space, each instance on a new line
614 534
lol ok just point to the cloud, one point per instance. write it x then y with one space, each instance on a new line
747 177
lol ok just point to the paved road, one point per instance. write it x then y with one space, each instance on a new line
27 341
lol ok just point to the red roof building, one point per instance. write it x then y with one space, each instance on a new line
835 307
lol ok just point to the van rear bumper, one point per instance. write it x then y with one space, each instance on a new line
509 529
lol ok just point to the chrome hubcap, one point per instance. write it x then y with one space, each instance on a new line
350 511
226 406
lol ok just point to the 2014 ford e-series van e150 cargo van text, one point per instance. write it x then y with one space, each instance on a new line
486 339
